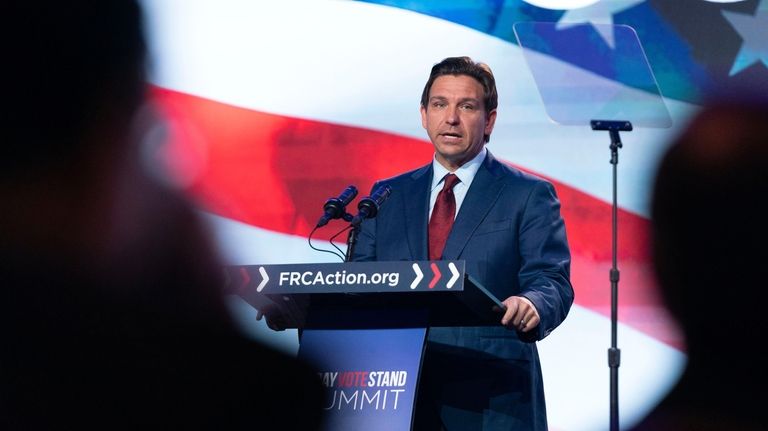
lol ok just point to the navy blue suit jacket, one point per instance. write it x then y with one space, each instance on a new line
512 237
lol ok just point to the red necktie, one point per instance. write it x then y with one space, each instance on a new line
443 214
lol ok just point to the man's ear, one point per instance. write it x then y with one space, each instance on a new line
490 122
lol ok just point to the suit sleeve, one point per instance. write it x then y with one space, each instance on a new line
545 259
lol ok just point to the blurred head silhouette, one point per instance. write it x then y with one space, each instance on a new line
708 235
111 308
709 244
71 68
74 80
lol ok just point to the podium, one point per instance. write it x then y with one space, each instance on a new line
364 326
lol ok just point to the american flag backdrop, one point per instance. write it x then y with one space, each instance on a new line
270 108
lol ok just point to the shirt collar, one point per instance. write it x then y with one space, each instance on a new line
466 172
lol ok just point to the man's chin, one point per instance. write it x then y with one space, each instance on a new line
452 160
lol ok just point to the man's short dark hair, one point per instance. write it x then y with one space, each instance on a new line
465 66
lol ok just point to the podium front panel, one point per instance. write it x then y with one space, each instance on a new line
370 375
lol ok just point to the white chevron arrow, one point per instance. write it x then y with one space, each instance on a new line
419 276
455 276
265 279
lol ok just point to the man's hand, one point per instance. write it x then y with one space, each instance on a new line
288 312
520 314
274 317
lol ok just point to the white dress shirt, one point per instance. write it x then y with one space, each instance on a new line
466 174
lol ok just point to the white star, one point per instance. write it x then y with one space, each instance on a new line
598 14
753 30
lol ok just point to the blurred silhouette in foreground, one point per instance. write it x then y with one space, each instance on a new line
710 243
111 311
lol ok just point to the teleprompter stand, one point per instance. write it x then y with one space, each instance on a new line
614 353
592 71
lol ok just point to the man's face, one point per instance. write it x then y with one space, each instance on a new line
455 119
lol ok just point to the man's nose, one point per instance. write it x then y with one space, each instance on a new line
452 116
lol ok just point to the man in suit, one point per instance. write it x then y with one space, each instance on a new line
506 226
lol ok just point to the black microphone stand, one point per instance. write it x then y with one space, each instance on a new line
351 237
614 354
368 207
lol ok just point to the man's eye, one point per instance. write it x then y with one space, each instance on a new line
468 107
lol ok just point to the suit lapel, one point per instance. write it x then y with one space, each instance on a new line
482 194
416 208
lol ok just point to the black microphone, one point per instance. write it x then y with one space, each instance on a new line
368 207
335 207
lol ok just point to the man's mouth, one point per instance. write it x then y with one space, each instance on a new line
451 135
